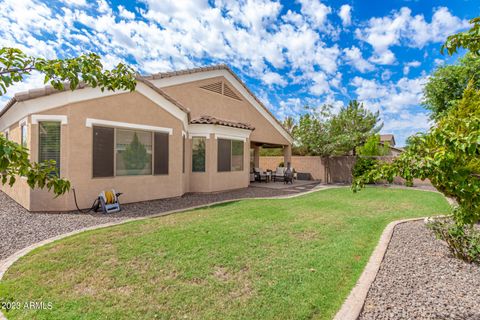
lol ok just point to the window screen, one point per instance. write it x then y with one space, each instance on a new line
237 155
133 152
103 148
161 153
49 142
198 154
224 155
230 155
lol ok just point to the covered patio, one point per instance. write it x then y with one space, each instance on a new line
275 173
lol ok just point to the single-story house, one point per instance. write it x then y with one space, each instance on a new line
196 130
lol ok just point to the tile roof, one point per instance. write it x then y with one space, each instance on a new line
162 75
31 94
48 90
220 122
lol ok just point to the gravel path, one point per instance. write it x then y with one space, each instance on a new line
419 279
20 228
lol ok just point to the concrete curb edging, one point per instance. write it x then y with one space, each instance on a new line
353 305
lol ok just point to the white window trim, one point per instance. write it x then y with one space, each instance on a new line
230 137
199 135
36 118
6 133
204 130
91 122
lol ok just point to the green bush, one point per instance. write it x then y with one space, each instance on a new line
463 240
364 165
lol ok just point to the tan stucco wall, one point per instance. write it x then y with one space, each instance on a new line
203 102
76 157
211 180
76 153
20 191
307 164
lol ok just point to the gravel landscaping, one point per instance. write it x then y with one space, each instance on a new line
419 279
20 228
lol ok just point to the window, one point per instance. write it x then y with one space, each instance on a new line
5 134
133 152
123 152
49 142
23 134
230 155
161 153
198 154
103 152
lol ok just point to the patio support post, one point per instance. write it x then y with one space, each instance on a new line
287 155
256 156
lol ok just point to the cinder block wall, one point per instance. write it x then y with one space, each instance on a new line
310 164
339 168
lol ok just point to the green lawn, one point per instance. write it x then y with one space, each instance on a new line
252 259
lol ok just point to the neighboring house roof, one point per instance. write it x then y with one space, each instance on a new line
388 138
397 149
213 120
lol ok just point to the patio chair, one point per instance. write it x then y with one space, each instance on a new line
260 175
279 174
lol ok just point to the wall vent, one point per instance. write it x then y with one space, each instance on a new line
229 92
221 88
214 87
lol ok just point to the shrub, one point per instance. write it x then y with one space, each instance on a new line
364 165
463 240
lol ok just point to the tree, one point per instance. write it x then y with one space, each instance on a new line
289 125
14 66
352 126
313 134
469 40
448 155
135 155
446 85
373 147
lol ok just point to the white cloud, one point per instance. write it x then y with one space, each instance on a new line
75 3
345 14
397 102
354 58
386 75
408 65
389 97
315 11
271 78
402 28
320 84
439 62
124 13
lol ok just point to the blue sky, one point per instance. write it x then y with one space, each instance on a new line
290 53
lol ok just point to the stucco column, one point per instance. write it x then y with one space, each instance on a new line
287 155
256 156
